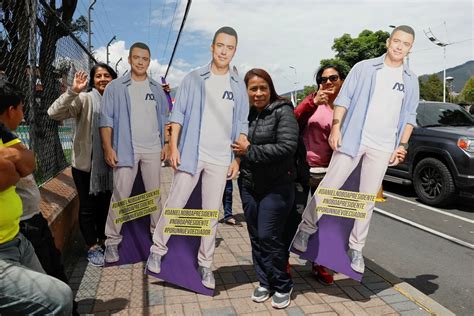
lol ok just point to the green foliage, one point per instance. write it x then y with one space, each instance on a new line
431 89
306 91
467 93
367 45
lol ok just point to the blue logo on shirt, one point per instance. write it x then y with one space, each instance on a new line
229 95
399 86
150 96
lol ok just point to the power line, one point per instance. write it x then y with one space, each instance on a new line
186 11
171 29
149 20
160 17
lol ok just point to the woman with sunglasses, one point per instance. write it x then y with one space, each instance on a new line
266 183
314 115
92 176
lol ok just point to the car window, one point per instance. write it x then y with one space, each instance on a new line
443 114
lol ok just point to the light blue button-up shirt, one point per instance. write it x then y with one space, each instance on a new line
355 96
189 108
115 113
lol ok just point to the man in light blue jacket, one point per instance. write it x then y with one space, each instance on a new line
210 113
378 103
133 115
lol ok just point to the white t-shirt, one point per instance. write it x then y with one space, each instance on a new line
216 123
143 119
383 114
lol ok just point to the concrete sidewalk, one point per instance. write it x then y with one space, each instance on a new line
126 290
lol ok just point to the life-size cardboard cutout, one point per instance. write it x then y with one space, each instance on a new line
328 246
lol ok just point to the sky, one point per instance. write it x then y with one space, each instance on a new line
275 34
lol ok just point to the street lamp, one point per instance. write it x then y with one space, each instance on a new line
108 44
116 65
437 42
295 83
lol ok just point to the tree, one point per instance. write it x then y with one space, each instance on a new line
53 23
350 51
432 89
306 91
467 92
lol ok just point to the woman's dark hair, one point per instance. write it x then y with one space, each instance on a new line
265 76
319 72
109 69
10 94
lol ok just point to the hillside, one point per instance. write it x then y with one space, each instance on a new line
460 74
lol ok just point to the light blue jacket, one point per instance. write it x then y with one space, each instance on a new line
115 113
355 96
189 107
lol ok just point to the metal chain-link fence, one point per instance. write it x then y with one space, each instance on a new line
40 54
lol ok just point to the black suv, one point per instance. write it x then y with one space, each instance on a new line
440 160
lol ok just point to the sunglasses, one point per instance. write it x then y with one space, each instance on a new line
332 78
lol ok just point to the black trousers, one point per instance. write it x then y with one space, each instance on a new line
93 209
36 230
266 220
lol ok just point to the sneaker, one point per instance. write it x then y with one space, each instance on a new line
281 300
357 260
301 241
111 254
322 274
260 294
95 255
153 263
207 277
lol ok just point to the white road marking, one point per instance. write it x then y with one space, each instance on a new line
427 229
431 208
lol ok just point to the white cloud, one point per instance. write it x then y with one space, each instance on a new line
274 34
117 50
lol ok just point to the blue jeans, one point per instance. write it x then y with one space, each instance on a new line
24 288
227 199
266 219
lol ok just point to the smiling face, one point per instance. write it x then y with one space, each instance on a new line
259 92
331 80
101 79
139 61
223 50
398 46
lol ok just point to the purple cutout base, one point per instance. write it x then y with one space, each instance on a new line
328 247
179 266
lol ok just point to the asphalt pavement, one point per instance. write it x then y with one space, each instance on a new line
435 265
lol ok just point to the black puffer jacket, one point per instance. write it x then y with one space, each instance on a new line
273 135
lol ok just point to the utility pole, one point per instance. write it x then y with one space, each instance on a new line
437 42
108 44
89 29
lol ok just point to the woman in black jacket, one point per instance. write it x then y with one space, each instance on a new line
266 183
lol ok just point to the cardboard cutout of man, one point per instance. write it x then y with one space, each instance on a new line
133 115
378 103
210 113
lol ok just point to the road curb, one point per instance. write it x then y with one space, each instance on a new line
421 299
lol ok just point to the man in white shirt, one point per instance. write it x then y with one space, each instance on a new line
210 113
133 115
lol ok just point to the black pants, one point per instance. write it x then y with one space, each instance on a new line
93 209
294 218
36 230
266 219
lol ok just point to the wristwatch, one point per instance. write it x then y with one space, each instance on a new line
404 145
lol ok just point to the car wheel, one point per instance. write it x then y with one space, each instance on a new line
433 182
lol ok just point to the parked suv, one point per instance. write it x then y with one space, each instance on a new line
440 160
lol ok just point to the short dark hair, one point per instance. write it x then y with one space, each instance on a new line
10 95
109 69
139 45
265 76
403 28
226 30
319 73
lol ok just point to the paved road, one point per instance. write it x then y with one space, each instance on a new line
439 268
